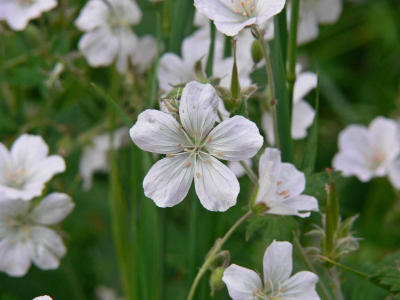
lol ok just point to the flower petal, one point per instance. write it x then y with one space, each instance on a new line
158 132
28 149
268 127
307 29
328 11
305 83
277 263
99 46
173 70
241 282
301 286
302 118
198 109
266 9
15 256
53 209
127 46
169 180
394 174
92 15
295 206
48 248
216 185
145 53
234 139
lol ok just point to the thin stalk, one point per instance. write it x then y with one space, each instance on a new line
210 59
292 47
334 275
268 67
321 284
253 177
214 253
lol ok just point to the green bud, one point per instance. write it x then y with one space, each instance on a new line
199 72
256 52
216 282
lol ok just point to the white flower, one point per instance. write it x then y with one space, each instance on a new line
370 152
25 236
231 16
281 186
192 150
94 156
18 13
174 70
43 298
145 53
313 12
302 112
25 169
108 32
238 169
245 284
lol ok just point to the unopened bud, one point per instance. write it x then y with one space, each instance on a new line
216 282
256 52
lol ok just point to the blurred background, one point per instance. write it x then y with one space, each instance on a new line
358 60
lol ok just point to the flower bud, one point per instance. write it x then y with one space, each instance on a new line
256 52
216 282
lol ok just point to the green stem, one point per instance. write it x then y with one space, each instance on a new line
271 85
334 275
210 59
214 253
292 47
310 266
250 172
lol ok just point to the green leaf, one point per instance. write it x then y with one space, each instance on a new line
315 183
388 273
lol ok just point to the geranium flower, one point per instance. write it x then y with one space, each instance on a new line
17 14
43 298
108 32
193 148
25 169
370 152
174 70
94 156
245 284
231 16
312 13
25 235
302 112
281 186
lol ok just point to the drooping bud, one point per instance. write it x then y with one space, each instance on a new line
256 51
216 282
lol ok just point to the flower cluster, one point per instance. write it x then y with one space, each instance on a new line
25 233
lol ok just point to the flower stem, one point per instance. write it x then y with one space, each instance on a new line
292 47
214 253
270 75
250 172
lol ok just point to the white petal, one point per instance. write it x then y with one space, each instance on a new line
127 46
43 298
328 11
354 146
169 180
307 29
234 139
291 180
28 149
277 263
238 169
232 28
394 174
216 185
296 206
158 132
10 209
42 171
198 109
173 71
268 127
305 83
302 118
273 156
15 256
92 15
301 286
48 248
99 46
241 282
266 9
127 10
53 209
145 53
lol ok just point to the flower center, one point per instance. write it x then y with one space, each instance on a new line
15 177
244 7
118 18
375 159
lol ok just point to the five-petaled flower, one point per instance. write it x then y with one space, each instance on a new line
193 148
25 235
245 284
25 169
370 152
280 187
231 16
